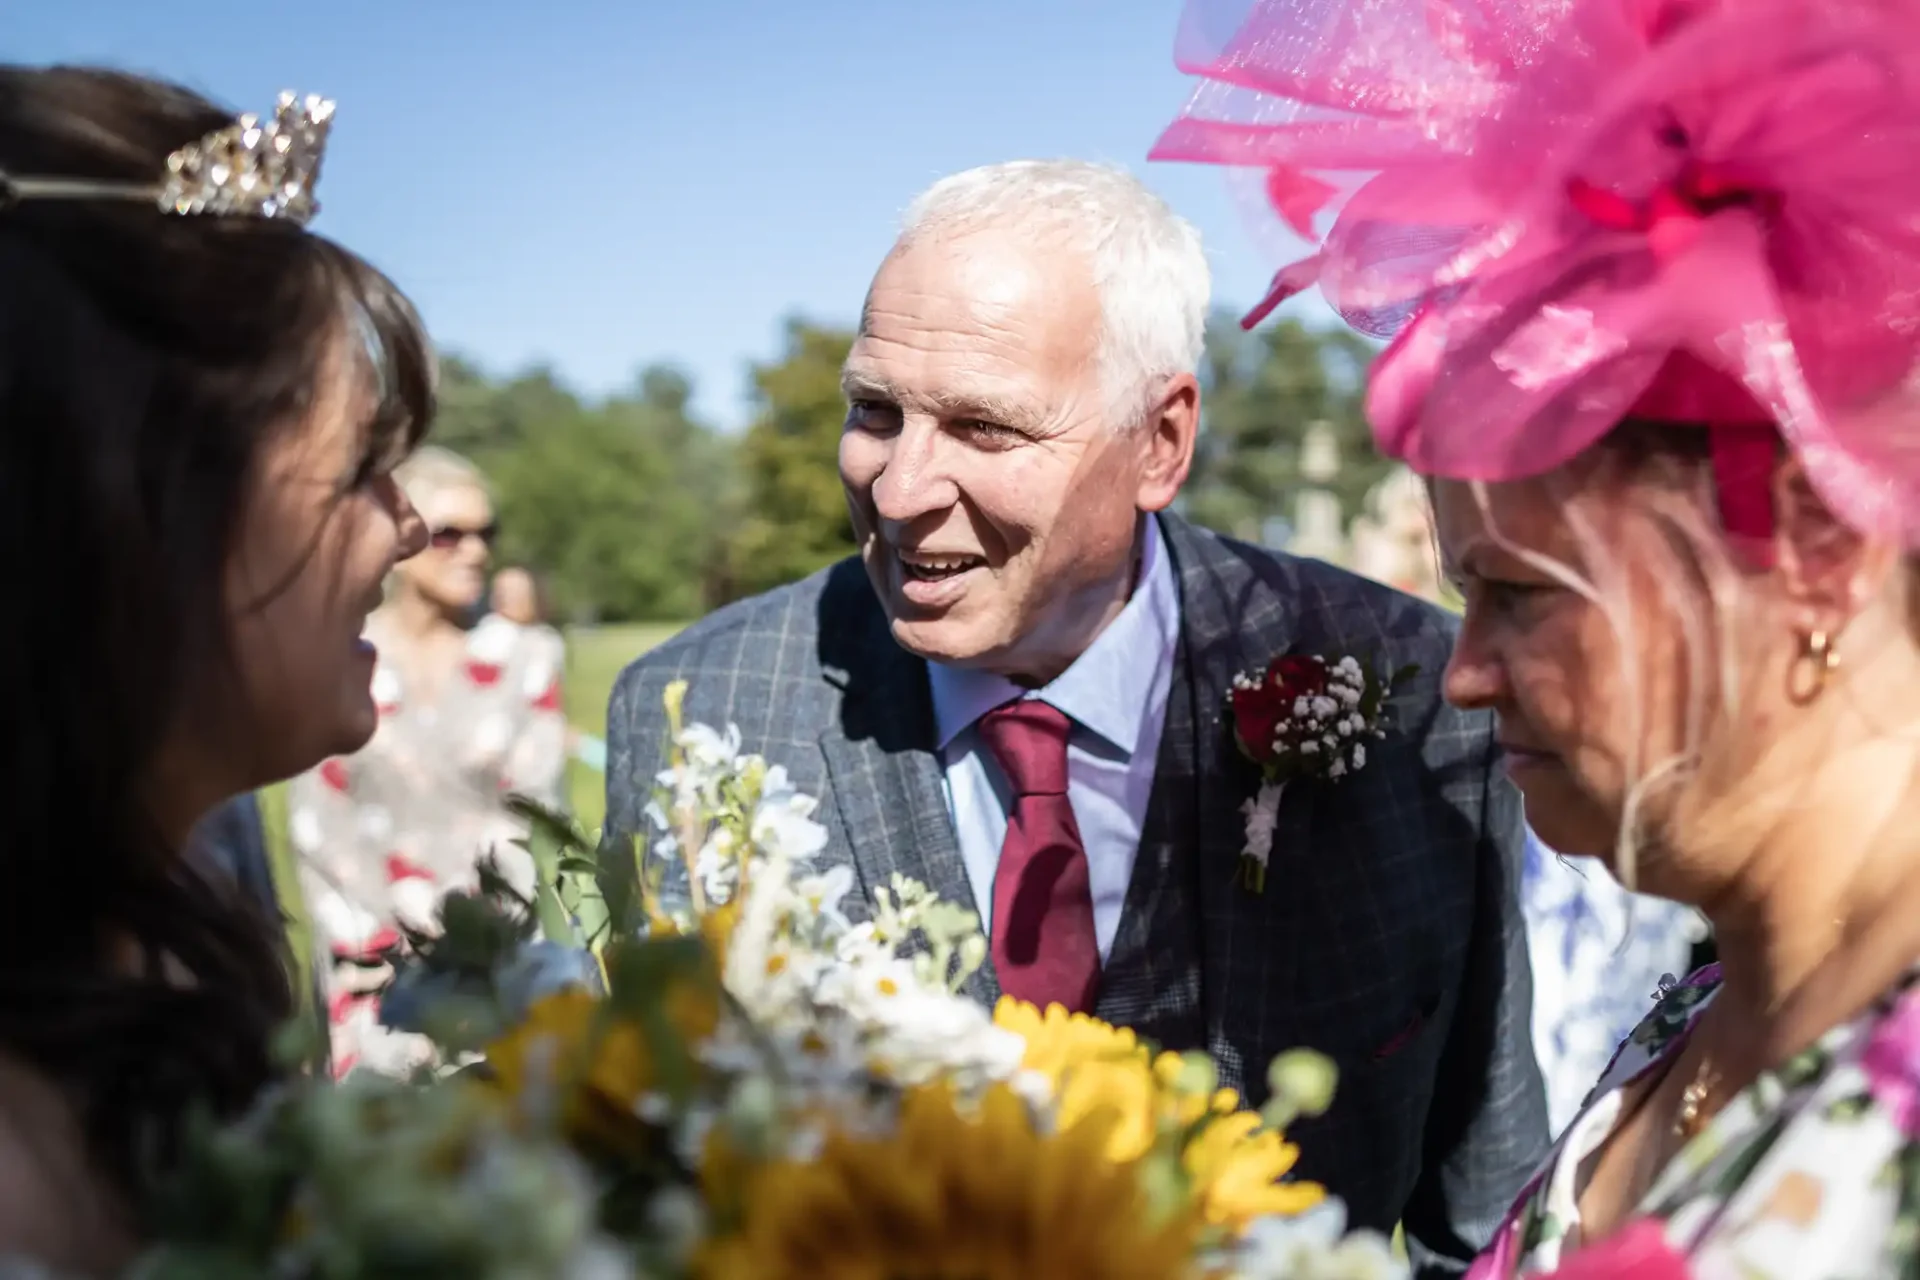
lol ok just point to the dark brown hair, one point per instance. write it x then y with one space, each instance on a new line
144 360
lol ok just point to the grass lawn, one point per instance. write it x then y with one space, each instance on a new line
595 656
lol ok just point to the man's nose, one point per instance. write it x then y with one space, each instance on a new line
915 479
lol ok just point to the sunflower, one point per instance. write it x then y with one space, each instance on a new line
1186 1095
1236 1167
1124 1092
954 1192
1058 1041
714 926
600 1062
1091 1067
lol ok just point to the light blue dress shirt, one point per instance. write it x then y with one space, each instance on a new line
1116 695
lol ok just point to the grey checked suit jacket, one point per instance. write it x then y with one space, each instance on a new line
1389 935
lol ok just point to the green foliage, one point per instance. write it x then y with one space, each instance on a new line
375 1177
621 504
1263 392
636 511
794 519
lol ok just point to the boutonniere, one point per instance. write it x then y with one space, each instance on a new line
1303 717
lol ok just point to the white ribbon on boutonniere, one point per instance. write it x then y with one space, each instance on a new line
1305 716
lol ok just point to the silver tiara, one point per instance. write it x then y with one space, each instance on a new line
248 169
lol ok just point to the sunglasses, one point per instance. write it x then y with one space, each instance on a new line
449 536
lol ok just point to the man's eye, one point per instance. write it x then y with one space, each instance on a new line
989 432
870 414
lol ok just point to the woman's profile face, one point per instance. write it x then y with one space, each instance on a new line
320 532
1586 704
452 571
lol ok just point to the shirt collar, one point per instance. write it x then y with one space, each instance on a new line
1105 690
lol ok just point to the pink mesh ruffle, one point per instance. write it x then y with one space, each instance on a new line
1564 211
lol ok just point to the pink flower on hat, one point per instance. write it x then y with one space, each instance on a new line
1566 212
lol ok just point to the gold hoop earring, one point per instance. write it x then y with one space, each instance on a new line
1819 659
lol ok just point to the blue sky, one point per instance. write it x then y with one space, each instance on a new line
598 185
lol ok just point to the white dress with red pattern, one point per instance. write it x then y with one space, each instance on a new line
382 834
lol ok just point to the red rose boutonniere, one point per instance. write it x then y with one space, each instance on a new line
1303 717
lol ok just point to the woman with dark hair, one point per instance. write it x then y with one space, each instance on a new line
201 405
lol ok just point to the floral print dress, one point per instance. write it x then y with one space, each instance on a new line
1597 953
384 833
1811 1173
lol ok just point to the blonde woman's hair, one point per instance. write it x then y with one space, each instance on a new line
432 470
1724 785
1671 485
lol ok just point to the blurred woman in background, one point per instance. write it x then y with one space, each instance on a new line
517 624
464 723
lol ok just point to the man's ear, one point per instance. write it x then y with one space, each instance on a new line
1167 439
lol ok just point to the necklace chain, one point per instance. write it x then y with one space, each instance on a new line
1689 1120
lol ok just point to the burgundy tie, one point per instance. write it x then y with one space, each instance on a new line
1043 941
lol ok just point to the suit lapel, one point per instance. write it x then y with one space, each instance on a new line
1151 981
1232 620
884 773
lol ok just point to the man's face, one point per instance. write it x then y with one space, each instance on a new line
995 503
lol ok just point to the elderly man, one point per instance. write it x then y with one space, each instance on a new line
1017 694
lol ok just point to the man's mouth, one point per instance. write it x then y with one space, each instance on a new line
922 567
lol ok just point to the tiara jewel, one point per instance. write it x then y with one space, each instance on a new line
266 170
248 169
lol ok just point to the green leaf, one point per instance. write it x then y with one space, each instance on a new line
639 973
1850 1108
546 841
618 867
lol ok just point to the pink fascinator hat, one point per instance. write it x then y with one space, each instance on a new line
1568 212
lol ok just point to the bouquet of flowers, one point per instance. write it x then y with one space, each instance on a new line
681 1058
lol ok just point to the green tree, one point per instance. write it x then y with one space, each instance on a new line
619 504
1264 392
482 418
794 517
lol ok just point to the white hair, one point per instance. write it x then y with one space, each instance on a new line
430 471
1148 266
